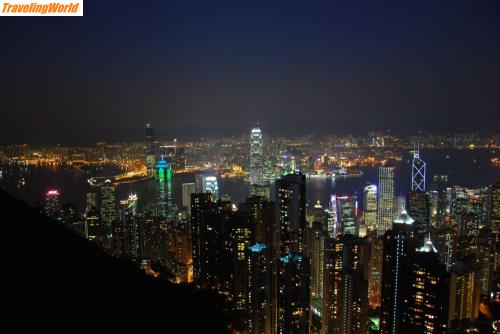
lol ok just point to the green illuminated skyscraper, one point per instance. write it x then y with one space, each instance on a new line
163 185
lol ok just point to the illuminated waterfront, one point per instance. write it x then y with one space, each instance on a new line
246 167
74 185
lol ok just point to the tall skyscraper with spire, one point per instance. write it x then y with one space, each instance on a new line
418 167
150 148
256 176
418 204
257 184
385 207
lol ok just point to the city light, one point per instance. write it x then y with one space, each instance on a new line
252 167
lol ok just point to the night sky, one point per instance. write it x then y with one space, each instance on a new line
198 68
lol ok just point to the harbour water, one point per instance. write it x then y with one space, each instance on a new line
470 168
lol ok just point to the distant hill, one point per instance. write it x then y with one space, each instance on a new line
56 281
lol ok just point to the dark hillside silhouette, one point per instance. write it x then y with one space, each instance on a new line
56 281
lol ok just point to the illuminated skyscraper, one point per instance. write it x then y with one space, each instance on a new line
468 224
163 183
347 208
385 207
216 238
464 291
446 241
317 214
483 256
480 204
438 200
183 252
418 167
178 258
201 209
332 217
261 213
256 164
53 205
239 239
93 228
345 291
293 294
426 307
315 250
293 266
459 204
495 208
90 200
118 229
210 186
130 227
187 190
291 212
370 207
257 184
108 212
125 230
398 248
149 237
375 271
261 289
132 203
332 284
418 208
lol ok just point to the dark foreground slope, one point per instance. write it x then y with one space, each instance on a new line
55 281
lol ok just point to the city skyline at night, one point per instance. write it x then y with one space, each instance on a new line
251 167
324 225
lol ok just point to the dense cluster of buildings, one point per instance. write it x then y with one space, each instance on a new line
428 263
316 156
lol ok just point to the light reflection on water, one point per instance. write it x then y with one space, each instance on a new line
466 168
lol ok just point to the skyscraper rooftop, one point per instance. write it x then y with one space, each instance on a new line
404 218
